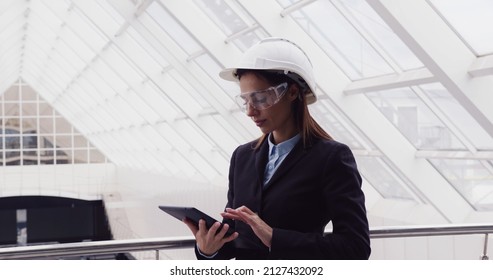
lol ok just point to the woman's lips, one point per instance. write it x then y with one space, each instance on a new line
259 122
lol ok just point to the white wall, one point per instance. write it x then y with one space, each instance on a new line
80 181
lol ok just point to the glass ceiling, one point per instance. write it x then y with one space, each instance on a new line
138 79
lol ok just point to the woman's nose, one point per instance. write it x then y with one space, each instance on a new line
250 110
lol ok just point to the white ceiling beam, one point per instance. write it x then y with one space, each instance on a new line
478 155
440 49
406 79
483 66
372 122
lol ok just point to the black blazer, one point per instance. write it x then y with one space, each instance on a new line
312 187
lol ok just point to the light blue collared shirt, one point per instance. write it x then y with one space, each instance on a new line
277 153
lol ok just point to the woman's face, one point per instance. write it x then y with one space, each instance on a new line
278 118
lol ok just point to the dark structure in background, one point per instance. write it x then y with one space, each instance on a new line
51 220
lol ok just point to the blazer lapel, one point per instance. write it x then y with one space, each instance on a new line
261 158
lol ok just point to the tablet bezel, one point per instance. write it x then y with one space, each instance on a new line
192 214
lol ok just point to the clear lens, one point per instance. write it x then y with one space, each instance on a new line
262 99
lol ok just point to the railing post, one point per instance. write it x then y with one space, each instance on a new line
485 248
157 254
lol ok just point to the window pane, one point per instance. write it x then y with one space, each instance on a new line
472 20
470 178
415 120
382 178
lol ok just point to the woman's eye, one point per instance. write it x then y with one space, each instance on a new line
260 100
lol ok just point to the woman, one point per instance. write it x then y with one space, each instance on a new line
286 186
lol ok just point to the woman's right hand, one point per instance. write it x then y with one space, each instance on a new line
210 241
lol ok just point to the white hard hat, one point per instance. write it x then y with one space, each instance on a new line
278 54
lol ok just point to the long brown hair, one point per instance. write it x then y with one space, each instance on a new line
308 127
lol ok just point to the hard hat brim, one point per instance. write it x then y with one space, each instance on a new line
228 74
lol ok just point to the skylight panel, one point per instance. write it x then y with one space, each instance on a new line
151 162
6 4
11 14
12 38
140 106
379 33
175 139
190 88
181 148
46 17
149 49
472 20
249 130
144 143
99 19
57 8
337 125
100 86
107 113
140 57
110 77
43 42
124 112
227 19
340 40
183 162
212 69
119 64
473 179
108 8
85 94
9 72
221 132
158 101
11 53
53 69
128 141
169 25
62 60
176 91
459 116
80 24
240 28
70 56
149 132
193 135
207 150
68 107
165 159
83 51
415 120
51 84
377 172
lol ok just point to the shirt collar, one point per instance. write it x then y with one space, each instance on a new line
283 147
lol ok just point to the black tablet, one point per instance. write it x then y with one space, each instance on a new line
192 214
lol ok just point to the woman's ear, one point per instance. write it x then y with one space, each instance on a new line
294 92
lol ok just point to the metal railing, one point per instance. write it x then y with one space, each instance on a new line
94 248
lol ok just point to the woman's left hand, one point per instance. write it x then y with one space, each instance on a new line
259 227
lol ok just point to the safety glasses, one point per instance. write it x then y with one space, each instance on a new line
262 99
